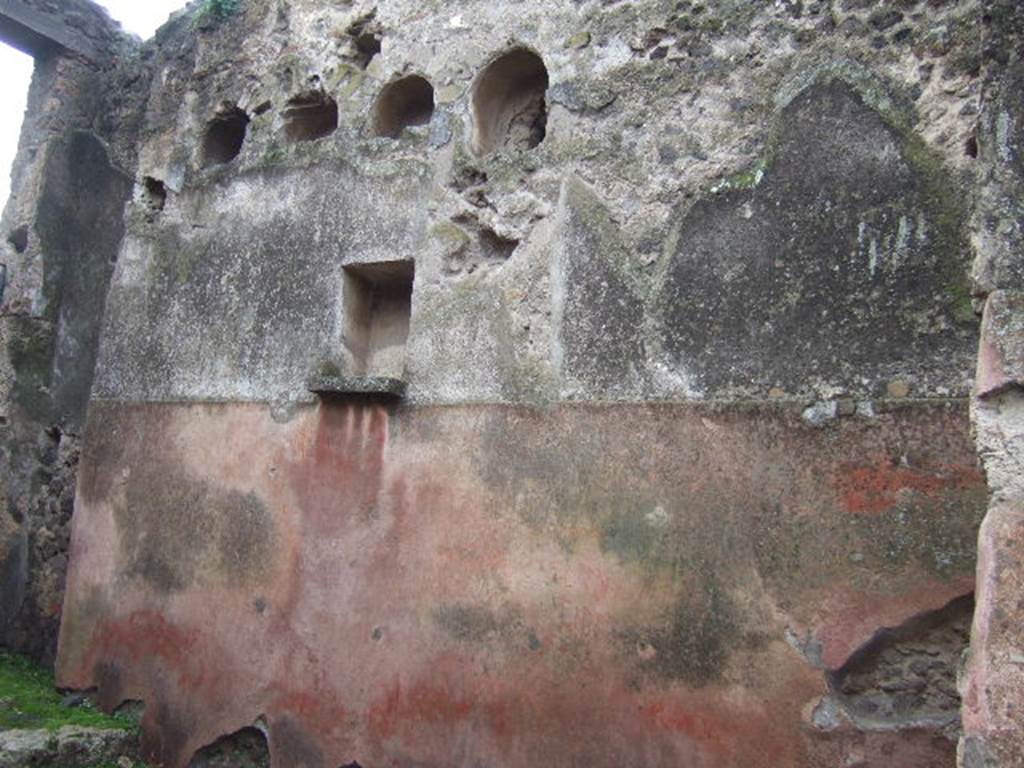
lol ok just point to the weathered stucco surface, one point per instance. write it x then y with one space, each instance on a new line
665 240
492 585
684 300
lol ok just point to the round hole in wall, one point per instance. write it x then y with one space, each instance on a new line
154 194
509 103
401 104
18 239
225 134
310 116
367 46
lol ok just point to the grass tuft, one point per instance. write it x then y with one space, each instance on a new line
29 699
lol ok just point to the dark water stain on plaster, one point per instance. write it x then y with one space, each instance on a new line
467 622
176 531
845 256
290 740
601 319
649 493
170 743
80 226
649 497
937 532
475 623
113 440
694 643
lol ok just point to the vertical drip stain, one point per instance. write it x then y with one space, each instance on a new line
349 425
341 480
364 417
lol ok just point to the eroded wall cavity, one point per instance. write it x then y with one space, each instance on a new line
551 384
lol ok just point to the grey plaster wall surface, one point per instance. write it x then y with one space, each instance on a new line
238 305
750 200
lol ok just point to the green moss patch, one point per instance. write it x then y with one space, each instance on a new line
29 700
217 10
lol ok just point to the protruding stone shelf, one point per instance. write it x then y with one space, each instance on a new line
361 386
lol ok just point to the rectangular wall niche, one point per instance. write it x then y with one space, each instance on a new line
378 302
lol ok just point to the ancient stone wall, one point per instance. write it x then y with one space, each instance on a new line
62 229
543 383
994 676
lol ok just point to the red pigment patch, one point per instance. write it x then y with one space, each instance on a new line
342 478
669 716
145 637
717 734
875 488
145 634
319 713
417 703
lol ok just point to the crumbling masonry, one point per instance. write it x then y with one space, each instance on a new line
511 384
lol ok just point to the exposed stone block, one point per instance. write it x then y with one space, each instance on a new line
1001 355
39 31
994 675
69 747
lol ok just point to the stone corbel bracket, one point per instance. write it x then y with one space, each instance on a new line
39 33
